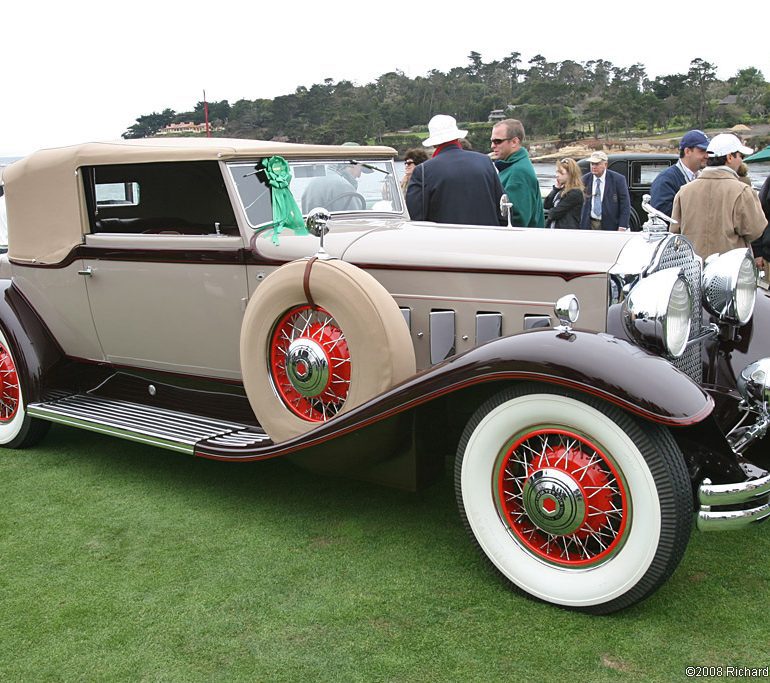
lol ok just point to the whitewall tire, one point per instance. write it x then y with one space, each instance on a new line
572 500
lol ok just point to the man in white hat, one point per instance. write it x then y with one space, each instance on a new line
456 185
717 212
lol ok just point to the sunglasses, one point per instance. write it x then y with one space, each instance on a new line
499 141
408 162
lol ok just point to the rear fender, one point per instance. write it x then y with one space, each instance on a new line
35 350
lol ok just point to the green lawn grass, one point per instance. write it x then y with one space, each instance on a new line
123 562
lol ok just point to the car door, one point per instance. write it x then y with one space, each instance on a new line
164 268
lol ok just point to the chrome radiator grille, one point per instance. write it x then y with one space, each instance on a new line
676 252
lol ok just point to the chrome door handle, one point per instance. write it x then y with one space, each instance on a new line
88 272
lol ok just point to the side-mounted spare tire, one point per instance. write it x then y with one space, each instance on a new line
320 337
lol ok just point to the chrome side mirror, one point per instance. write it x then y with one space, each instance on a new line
505 208
316 224
567 310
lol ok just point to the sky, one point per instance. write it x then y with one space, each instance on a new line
83 71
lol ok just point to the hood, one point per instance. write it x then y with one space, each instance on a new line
477 248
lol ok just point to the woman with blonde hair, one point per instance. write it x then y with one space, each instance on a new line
565 202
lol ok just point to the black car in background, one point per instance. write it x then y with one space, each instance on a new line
639 170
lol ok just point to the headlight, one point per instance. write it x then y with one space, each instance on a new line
657 312
730 285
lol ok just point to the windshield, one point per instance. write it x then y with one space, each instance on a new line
340 186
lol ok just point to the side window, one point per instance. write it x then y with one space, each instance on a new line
644 172
171 198
124 194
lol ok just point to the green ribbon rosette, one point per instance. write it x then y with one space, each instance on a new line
286 213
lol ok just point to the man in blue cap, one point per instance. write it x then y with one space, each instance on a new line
692 158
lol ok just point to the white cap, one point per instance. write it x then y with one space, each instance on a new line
726 143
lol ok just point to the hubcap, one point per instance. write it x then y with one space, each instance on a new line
9 386
562 498
307 367
310 363
554 501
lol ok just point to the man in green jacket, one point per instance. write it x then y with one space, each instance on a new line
517 174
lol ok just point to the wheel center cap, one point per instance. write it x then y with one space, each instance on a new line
554 501
307 367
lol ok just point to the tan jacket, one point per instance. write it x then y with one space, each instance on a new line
717 212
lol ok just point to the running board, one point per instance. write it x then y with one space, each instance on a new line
146 424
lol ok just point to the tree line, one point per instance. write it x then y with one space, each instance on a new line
566 99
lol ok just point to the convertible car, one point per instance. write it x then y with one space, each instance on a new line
242 300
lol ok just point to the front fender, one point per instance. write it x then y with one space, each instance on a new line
593 363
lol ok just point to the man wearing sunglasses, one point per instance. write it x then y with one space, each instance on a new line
517 174
717 212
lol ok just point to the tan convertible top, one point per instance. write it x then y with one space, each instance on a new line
44 198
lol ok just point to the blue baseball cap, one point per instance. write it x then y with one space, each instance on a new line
694 138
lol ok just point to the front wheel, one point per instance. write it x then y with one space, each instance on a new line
572 500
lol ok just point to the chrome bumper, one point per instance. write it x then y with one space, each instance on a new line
741 493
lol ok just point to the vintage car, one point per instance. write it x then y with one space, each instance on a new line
173 292
639 170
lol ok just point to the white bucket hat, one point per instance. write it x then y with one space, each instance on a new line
726 143
443 128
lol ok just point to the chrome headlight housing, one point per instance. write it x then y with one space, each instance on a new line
657 312
730 285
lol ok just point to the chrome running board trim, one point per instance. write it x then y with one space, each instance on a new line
146 424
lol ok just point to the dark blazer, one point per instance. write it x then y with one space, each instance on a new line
616 203
455 186
567 211
664 188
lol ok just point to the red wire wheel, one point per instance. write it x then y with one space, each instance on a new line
562 498
9 392
310 363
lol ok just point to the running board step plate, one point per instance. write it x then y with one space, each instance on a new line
146 424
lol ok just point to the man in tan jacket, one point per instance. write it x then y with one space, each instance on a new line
717 212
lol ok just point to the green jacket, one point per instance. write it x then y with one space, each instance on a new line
517 174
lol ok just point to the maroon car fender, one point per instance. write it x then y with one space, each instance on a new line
592 363
34 349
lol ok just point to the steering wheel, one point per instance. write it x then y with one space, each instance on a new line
348 195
